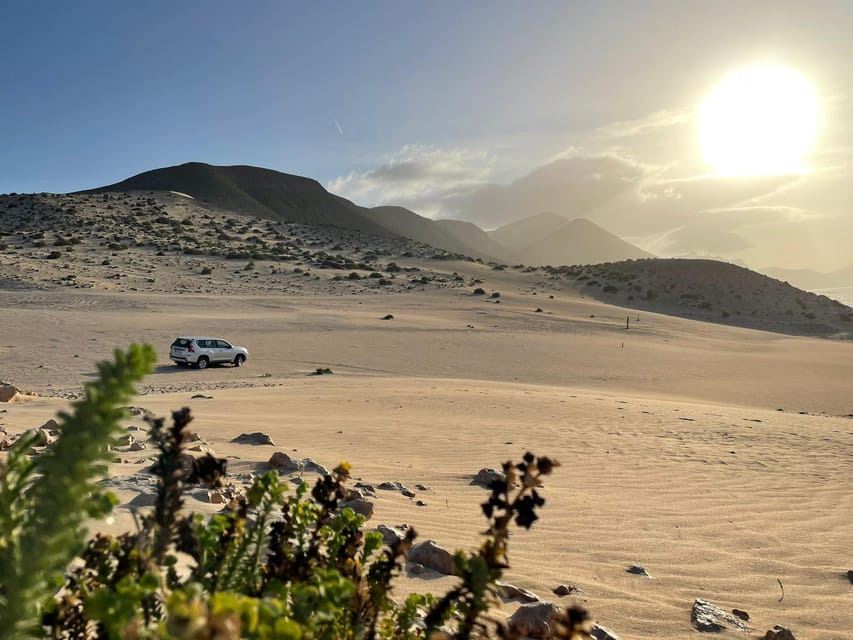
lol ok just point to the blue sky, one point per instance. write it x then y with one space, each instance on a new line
442 104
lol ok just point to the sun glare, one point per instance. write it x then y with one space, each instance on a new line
759 121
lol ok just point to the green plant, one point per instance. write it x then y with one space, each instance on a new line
44 500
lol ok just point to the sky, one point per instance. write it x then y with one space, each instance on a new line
487 111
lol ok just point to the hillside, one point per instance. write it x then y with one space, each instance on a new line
711 291
255 191
549 239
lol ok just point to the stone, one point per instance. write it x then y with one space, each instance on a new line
255 438
638 570
361 507
434 557
602 633
139 411
485 477
390 486
392 535
138 446
51 426
422 487
508 591
779 632
144 500
533 620
8 392
407 492
369 489
125 440
740 613
567 590
415 568
709 617
850 576
284 463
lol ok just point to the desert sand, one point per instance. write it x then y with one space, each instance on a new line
718 458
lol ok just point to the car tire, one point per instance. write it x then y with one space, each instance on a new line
202 362
239 360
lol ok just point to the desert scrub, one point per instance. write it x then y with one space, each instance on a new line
274 563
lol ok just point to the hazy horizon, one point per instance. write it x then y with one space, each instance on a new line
487 113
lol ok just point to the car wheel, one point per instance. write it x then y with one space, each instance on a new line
202 362
239 360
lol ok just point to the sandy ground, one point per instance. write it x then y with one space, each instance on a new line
717 458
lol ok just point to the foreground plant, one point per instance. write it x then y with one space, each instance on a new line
45 499
272 565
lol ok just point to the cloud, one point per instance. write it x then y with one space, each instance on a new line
417 176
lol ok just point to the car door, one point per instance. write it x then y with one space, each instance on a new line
225 351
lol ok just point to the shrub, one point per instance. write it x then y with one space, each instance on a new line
271 566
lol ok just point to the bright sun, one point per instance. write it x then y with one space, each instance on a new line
758 121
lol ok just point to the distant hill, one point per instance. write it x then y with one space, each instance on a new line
520 234
281 196
551 239
713 291
252 190
809 279
406 223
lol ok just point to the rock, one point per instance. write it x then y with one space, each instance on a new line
429 554
144 500
390 486
309 465
420 503
194 437
201 396
602 633
508 591
740 613
422 487
407 492
533 620
125 441
138 446
709 617
388 317
567 590
638 570
51 426
139 411
392 535
779 633
485 477
369 489
283 462
256 438
850 576
8 392
416 568
361 507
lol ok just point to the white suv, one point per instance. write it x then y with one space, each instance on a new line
205 351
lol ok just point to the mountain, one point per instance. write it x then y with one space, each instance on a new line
551 239
520 234
401 221
474 237
255 191
809 279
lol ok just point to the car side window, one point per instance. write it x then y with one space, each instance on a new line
222 344
204 344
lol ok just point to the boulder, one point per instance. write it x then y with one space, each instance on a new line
709 617
284 463
429 554
8 392
567 590
637 570
486 477
392 535
779 633
602 633
511 592
256 438
533 620
361 507
51 426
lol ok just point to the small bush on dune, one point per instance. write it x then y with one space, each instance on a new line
272 566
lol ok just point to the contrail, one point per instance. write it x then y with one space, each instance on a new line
337 124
